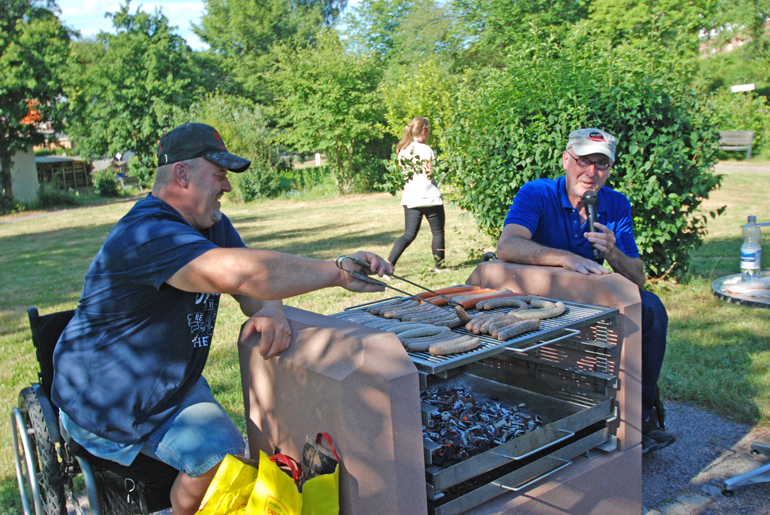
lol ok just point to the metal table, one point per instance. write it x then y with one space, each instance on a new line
760 474
741 300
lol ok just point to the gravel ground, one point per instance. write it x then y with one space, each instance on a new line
708 450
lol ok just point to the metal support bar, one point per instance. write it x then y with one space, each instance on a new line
567 463
568 333
570 434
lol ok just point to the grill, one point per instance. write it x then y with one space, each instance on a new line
578 373
551 330
575 420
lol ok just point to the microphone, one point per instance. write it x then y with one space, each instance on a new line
589 201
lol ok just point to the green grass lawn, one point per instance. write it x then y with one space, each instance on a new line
718 357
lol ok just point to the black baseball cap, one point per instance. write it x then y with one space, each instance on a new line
191 140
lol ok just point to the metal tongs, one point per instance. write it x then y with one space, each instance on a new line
458 308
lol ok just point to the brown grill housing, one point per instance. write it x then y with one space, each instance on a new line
360 385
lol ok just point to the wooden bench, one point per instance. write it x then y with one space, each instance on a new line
737 140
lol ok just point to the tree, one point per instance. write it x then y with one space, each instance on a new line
122 88
402 32
33 50
242 33
745 20
329 102
670 27
494 26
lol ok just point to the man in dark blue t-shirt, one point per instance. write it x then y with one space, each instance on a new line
548 225
128 367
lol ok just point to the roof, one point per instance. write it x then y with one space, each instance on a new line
102 164
58 159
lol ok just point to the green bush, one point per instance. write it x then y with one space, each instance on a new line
258 182
744 112
49 196
10 205
143 169
515 124
105 184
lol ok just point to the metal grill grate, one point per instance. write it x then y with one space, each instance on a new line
551 330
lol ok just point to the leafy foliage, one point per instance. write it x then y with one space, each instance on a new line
744 112
430 91
33 49
123 88
329 102
51 196
744 20
401 32
514 129
105 184
242 34
243 127
142 170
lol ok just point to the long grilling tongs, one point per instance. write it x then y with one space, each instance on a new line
458 308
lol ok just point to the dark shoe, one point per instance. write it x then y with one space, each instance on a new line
651 431
649 445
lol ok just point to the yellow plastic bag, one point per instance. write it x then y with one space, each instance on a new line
275 492
320 495
321 475
231 487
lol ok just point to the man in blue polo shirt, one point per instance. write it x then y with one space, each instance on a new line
548 225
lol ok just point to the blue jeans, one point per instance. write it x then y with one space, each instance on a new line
654 329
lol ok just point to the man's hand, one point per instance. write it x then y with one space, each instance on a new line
271 322
583 265
630 268
603 241
377 265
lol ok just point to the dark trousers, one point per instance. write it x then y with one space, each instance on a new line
412 221
654 329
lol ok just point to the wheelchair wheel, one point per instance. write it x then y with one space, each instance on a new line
42 465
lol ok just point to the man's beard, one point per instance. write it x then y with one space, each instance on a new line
216 216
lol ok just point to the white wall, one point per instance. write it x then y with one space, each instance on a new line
25 183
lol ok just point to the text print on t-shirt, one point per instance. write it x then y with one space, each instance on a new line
202 321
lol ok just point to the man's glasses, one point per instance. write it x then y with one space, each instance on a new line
582 162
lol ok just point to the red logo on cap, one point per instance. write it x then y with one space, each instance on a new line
596 136
217 136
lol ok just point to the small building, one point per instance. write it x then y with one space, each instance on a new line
63 172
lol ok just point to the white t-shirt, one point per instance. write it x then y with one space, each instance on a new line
420 191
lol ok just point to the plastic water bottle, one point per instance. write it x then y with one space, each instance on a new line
751 251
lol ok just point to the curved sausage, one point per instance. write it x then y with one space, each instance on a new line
464 344
518 328
548 310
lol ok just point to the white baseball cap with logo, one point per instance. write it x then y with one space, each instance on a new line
592 141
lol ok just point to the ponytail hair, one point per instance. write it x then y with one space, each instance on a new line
411 131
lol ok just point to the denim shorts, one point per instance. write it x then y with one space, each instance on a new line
197 436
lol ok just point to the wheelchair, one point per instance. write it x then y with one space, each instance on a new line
54 471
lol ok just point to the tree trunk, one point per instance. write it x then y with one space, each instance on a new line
6 178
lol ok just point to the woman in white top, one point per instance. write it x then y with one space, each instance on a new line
421 194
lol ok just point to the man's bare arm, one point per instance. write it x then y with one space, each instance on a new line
269 275
516 246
